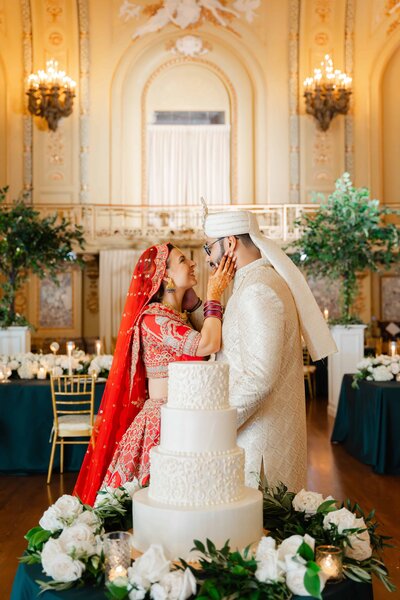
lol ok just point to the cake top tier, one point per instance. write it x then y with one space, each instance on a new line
198 385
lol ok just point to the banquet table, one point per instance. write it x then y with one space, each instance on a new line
26 419
367 423
25 588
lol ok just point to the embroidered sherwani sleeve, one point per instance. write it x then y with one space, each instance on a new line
261 337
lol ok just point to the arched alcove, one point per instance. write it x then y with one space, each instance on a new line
235 85
390 93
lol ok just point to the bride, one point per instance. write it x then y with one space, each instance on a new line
153 332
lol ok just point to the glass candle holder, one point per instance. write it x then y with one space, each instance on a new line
117 553
329 558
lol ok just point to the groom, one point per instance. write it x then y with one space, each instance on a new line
271 307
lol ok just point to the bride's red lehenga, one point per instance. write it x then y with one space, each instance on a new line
151 336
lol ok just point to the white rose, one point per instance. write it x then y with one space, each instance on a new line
266 544
79 538
289 546
56 371
364 364
65 569
51 519
395 367
381 373
26 371
137 594
158 592
179 585
295 580
307 502
88 517
150 567
360 543
108 495
131 487
50 550
69 507
343 518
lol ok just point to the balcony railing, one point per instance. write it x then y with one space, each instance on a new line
123 226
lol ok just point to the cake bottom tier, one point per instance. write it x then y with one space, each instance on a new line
175 527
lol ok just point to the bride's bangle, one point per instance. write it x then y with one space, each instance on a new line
213 308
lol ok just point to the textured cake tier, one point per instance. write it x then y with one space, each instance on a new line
192 480
185 430
175 527
198 385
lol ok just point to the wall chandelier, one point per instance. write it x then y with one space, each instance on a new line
51 94
327 93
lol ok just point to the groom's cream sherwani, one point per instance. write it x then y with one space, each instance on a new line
262 344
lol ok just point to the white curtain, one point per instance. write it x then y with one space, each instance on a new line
187 162
115 273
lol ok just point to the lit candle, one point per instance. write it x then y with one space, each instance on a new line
70 347
326 314
117 553
329 558
98 347
115 572
42 374
2 374
393 348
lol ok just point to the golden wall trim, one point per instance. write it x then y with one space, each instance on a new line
294 125
348 66
27 119
84 99
234 118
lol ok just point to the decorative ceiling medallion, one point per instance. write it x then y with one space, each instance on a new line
189 45
186 14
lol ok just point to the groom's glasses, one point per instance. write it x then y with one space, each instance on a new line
207 247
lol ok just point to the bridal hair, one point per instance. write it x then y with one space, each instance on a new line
160 292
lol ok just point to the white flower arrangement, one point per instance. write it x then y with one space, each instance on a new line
377 368
27 365
69 547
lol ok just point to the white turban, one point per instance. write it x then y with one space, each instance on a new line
314 328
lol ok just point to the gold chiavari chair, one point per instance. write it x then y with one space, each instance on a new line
309 371
73 411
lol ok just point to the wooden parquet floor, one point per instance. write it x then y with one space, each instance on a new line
331 471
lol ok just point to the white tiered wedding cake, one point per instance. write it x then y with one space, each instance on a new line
197 472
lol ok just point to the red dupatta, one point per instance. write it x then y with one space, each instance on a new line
125 392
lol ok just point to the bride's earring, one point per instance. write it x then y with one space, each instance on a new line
171 287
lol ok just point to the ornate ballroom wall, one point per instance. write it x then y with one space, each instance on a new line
252 70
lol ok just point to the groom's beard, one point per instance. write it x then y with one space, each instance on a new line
216 262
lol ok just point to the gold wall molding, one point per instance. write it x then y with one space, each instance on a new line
234 117
84 99
348 67
294 125
27 118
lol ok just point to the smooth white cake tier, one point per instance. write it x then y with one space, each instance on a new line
185 430
175 528
193 480
198 385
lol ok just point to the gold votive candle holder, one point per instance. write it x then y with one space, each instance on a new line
117 553
330 559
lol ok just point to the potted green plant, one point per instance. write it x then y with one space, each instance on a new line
30 244
346 235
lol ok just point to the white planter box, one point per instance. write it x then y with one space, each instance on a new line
14 340
350 343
